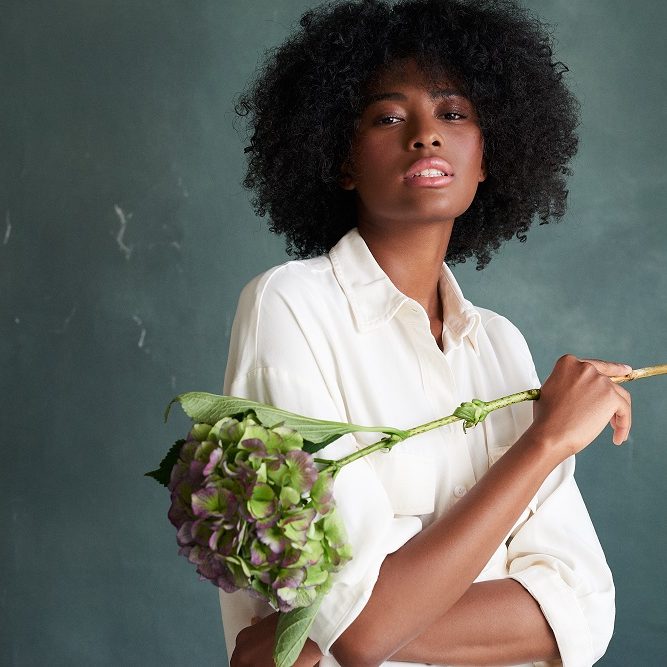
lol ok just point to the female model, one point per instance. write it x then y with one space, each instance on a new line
390 141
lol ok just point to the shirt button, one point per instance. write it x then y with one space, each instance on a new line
460 491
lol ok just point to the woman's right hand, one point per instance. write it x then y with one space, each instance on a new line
577 401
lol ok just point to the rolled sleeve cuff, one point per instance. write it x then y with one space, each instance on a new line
563 613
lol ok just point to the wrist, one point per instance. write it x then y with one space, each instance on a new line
547 449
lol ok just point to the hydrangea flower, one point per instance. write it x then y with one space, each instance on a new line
253 512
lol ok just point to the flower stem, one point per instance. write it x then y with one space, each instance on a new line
640 373
483 409
527 395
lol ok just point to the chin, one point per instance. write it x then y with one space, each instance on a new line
435 215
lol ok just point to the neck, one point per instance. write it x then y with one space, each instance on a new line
412 257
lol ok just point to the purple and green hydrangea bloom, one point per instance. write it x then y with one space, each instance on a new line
253 512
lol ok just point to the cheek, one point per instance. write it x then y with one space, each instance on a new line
371 171
470 158
473 147
369 160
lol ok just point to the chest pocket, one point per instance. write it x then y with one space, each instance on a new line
409 481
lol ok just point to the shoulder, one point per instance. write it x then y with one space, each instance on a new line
505 342
283 316
291 282
500 328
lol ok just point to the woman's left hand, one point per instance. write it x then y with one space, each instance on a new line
254 646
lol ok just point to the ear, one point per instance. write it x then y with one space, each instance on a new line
482 171
345 179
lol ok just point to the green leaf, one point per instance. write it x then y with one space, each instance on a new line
292 632
163 473
317 433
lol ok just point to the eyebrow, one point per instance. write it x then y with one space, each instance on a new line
434 94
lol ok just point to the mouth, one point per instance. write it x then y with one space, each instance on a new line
429 172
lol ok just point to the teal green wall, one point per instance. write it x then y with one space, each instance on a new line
125 238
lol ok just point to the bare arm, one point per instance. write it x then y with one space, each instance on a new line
494 623
423 580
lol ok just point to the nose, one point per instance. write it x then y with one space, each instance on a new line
432 142
424 133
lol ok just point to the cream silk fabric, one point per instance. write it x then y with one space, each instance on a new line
333 338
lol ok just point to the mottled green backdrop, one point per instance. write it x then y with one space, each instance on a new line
125 238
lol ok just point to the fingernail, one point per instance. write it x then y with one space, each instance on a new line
627 368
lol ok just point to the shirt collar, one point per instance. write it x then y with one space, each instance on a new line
375 300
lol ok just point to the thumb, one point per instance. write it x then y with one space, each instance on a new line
609 368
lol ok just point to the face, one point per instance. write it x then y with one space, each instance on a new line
417 155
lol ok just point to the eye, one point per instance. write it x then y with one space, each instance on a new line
387 120
453 115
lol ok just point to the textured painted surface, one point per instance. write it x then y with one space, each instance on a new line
119 194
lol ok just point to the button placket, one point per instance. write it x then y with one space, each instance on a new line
441 390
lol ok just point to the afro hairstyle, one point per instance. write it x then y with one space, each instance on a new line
304 102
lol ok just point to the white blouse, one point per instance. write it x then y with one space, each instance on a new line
333 338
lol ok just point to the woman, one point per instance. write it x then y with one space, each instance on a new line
385 139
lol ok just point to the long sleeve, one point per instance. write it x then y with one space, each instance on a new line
555 554
364 507
557 557
279 357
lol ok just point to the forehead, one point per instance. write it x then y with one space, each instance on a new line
407 72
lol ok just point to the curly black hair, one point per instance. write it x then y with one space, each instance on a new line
303 105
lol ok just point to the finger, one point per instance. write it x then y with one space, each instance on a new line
624 426
609 368
623 393
621 422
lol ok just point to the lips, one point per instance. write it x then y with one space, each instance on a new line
423 173
429 163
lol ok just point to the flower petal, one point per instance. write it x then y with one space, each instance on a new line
291 439
289 496
200 431
262 503
273 538
295 525
301 469
213 501
322 493
213 461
